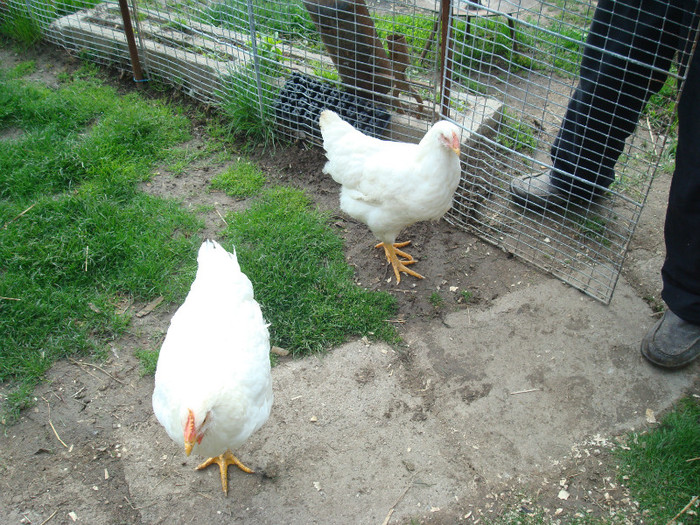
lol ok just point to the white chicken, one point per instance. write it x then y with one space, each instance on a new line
213 386
391 185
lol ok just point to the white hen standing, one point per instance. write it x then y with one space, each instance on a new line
213 387
391 185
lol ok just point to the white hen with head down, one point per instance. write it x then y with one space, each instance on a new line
213 386
391 185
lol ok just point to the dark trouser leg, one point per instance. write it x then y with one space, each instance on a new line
681 270
628 52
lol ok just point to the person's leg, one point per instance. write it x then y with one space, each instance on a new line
675 340
628 51
681 270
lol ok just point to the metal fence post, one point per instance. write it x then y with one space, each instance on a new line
131 42
256 56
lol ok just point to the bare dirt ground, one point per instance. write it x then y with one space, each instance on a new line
509 401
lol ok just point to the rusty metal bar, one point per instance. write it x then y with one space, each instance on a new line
131 41
445 57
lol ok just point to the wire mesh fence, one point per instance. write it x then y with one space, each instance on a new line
503 70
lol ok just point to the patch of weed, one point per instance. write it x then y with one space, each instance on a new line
148 360
248 112
242 179
661 467
20 25
594 228
514 134
436 299
301 279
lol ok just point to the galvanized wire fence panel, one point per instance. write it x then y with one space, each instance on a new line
503 70
582 242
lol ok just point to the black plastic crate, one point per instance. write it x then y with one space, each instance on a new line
303 98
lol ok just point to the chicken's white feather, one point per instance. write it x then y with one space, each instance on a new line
215 358
390 185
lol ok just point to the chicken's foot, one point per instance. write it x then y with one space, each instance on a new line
224 460
391 251
397 245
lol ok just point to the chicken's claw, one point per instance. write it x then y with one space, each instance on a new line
391 252
224 460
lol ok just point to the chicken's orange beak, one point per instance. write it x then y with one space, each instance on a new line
190 433
454 145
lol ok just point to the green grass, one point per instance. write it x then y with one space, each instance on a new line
79 239
301 279
148 360
67 7
284 18
662 116
515 134
661 467
76 236
661 107
246 115
19 25
559 46
242 179
594 228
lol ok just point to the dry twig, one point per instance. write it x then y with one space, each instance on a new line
17 217
651 136
221 216
690 504
525 391
56 434
150 307
47 519
54 428
82 364
398 500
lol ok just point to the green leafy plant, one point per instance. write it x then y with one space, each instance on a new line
271 56
436 299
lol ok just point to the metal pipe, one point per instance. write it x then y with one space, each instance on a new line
131 42
140 36
445 58
256 57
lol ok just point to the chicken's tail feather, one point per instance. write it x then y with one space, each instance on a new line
211 253
327 117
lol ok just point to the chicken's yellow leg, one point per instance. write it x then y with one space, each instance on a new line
399 266
409 257
224 460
